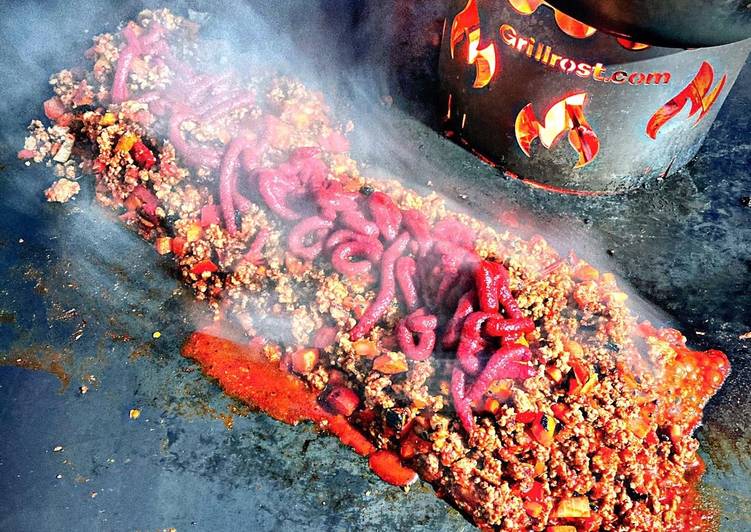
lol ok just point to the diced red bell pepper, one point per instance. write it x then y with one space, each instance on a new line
342 400
204 266
142 155
98 166
178 246
535 493
560 411
365 416
526 417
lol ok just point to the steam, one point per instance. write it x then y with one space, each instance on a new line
346 52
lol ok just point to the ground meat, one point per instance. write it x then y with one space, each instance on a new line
62 190
603 411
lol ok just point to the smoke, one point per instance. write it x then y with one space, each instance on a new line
370 61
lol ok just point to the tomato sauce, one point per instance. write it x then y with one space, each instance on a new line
245 373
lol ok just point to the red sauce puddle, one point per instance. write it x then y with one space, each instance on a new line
246 374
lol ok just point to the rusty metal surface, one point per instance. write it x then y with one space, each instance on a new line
83 292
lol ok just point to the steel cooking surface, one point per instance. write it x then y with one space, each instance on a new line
683 244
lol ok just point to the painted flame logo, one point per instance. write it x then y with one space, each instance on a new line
568 25
697 92
466 24
565 115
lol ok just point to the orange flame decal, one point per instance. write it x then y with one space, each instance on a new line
466 24
572 27
526 7
697 92
631 45
565 115
568 25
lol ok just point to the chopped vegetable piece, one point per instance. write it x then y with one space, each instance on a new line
143 155
580 376
203 267
534 509
391 363
304 360
178 246
543 429
560 411
555 373
501 389
572 507
535 493
366 348
585 272
526 417
193 232
617 297
107 119
163 245
492 405
126 142
573 347
342 400
639 426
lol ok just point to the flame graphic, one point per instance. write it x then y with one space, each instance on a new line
631 45
466 24
565 115
526 7
569 25
572 27
697 92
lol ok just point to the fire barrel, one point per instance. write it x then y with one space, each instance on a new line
562 105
